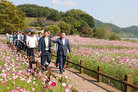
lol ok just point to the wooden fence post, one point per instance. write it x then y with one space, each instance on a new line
38 65
48 74
21 53
30 61
52 53
127 79
99 77
81 68
68 61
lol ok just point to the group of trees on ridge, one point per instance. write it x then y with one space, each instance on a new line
73 22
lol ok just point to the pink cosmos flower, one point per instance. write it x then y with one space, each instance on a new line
33 89
4 82
14 90
16 73
67 90
133 73
69 86
0 67
32 70
21 89
53 84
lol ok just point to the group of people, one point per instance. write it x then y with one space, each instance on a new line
28 42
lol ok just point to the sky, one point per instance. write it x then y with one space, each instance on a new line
123 13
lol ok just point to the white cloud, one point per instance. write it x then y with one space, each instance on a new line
57 2
65 2
70 2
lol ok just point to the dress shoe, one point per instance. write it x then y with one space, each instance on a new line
61 72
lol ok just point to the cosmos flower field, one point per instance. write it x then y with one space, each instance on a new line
117 58
15 76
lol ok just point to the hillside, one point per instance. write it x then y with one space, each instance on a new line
73 17
129 31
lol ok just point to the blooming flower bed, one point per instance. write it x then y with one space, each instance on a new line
15 76
116 62
77 40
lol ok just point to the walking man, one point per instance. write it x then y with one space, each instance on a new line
31 44
63 44
44 47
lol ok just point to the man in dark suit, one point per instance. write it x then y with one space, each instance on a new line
63 45
44 47
24 42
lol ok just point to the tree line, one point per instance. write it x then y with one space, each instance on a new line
73 22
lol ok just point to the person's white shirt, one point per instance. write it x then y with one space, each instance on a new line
63 40
27 36
47 43
7 36
18 37
10 38
31 41
55 47
38 37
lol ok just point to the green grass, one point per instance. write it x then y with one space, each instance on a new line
29 20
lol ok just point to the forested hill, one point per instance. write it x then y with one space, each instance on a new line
78 17
128 31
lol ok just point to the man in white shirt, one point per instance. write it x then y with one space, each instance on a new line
31 44
44 47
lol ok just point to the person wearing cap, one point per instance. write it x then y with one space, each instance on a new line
31 44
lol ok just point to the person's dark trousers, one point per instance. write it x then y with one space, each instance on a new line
57 61
25 47
27 51
18 44
31 52
45 55
22 45
62 60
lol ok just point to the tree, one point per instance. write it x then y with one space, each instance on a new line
89 19
81 15
65 27
40 21
86 32
54 29
11 19
114 36
54 15
74 23
32 10
104 33
74 12
100 33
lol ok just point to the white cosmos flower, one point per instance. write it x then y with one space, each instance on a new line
1 79
22 79
64 84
